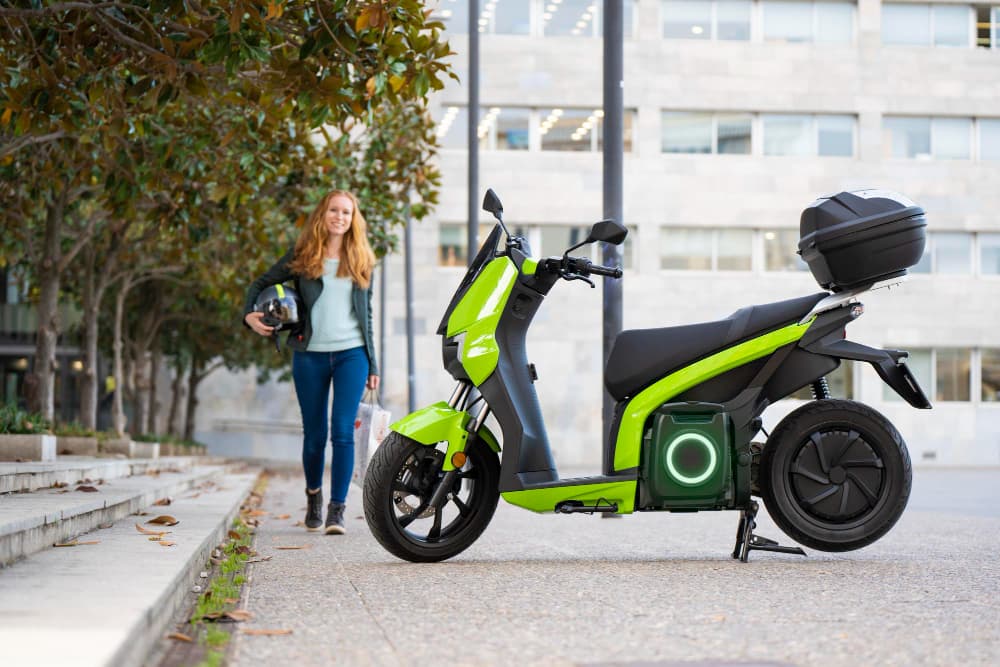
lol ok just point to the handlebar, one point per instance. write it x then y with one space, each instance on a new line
579 267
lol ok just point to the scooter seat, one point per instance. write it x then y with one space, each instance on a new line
641 356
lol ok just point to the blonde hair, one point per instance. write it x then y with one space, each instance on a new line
356 257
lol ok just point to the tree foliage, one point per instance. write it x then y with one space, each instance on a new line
185 139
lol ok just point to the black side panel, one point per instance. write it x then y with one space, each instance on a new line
527 458
724 387
798 370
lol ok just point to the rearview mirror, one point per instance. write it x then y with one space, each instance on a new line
492 204
607 231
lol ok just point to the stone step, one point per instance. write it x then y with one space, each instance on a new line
107 604
30 522
31 476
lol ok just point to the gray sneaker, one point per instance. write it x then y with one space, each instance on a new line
335 519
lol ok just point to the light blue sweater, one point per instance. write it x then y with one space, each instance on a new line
335 325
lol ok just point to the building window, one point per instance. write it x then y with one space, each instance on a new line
706 19
578 129
953 253
987 27
989 254
789 21
504 129
452 127
990 372
926 25
694 249
953 376
781 250
913 137
580 18
989 138
949 252
804 135
703 132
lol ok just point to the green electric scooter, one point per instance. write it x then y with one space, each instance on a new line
834 474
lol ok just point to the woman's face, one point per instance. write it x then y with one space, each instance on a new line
339 211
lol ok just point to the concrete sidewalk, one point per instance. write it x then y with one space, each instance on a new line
644 589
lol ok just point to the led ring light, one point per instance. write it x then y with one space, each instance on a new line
712 459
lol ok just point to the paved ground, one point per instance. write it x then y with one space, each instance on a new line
646 589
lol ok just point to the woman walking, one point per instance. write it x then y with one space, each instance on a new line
331 265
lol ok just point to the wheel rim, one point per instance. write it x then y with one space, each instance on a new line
837 478
413 485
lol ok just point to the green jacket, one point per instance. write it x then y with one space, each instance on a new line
310 290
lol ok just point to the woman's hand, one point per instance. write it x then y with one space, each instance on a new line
372 382
253 320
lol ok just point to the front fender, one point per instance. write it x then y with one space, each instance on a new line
442 423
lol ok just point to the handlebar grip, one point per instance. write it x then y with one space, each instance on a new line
610 271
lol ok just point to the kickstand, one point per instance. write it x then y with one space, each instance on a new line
746 541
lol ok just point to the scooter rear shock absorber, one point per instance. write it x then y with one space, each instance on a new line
820 389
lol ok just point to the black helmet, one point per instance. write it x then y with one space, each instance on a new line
282 307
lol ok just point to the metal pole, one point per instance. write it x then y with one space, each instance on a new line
381 327
614 147
472 236
411 390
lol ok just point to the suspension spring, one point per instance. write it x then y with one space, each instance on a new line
820 389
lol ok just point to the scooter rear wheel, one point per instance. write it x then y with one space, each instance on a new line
399 484
835 475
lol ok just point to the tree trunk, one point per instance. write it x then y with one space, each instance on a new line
192 398
88 380
48 309
153 411
117 407
140 391
178 386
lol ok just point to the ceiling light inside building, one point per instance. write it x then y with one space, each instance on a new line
697 29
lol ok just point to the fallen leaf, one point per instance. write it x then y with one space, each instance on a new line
164 519
243 550
75 543
165 543
283 516
257 513
298 523
260 560
88 489
233 535
164 501
261 631
59 485
230 600
147 531
233 616
155 538
193 496
179 637
300 546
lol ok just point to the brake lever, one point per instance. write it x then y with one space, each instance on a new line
576 276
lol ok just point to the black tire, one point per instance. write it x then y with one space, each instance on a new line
400 480
835 475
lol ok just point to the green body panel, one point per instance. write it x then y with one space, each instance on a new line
442 423
478 314
546 499
629 443
529 266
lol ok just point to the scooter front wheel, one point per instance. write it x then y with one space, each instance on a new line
400 484
835 475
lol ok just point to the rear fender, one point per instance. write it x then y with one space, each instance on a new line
442 423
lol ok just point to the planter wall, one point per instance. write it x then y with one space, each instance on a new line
27 447
75 446
130 448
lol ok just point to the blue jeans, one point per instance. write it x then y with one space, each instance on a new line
313 373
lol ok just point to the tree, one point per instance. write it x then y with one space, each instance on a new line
81 82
